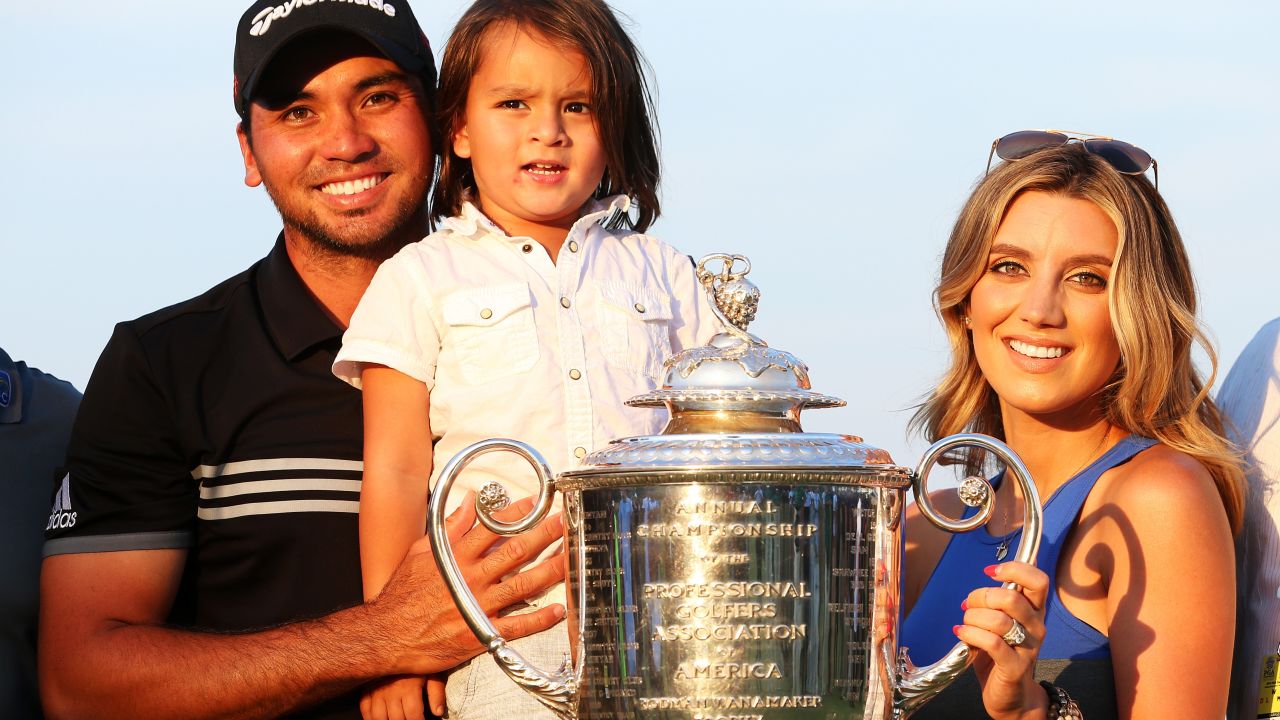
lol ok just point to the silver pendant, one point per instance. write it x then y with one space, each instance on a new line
1002 550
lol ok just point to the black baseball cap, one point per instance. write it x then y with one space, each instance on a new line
269 25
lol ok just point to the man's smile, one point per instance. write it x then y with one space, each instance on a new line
354 186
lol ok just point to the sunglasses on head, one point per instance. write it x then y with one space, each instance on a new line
1125 158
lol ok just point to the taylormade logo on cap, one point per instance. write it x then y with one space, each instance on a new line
262 21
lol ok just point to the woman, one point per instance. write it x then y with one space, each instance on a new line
1067 296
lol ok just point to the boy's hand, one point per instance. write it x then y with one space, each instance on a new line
394 699
435 694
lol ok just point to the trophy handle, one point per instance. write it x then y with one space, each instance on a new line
557 691
914 686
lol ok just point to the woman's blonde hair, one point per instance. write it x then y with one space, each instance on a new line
1156 391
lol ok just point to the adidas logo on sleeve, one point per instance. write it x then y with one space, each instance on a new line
62 516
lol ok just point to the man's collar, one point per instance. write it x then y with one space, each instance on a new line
10 390
294 319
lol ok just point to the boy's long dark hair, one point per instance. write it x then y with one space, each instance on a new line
620 96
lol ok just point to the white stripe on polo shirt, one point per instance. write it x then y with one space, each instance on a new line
265 486
270 464
251 479
279 506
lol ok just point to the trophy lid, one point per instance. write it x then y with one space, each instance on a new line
735 402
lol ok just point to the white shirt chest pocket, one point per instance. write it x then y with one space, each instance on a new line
635 328
491 331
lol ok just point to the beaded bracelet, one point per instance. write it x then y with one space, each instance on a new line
1061 706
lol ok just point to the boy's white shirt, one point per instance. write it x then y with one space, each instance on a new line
483 323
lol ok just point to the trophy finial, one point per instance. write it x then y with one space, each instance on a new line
735 382
734 298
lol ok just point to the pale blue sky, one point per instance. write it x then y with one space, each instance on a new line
832 142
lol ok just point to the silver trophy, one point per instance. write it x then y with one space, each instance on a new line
733 567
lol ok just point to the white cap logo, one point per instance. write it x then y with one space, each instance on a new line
262 21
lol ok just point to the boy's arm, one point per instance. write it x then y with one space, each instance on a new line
393 505
397 468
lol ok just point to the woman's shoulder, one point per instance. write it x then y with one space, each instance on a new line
1159 472
1147 521
1160 488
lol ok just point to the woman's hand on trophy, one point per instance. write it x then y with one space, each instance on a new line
414 617
1006 629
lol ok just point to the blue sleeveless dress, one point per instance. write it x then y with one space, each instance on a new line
927 629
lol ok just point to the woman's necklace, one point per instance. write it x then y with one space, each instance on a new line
1002 550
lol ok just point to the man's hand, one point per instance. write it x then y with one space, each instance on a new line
425 633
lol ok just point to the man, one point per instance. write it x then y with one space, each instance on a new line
214 469
36 411
1250 397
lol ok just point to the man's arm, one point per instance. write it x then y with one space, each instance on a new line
105 653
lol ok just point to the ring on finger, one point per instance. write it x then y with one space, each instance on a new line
1015 635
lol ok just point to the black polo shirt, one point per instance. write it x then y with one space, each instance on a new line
217 425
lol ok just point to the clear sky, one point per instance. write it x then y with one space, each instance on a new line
831 142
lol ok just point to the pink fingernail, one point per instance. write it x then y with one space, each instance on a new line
991 570
955 630
964 605
558 611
